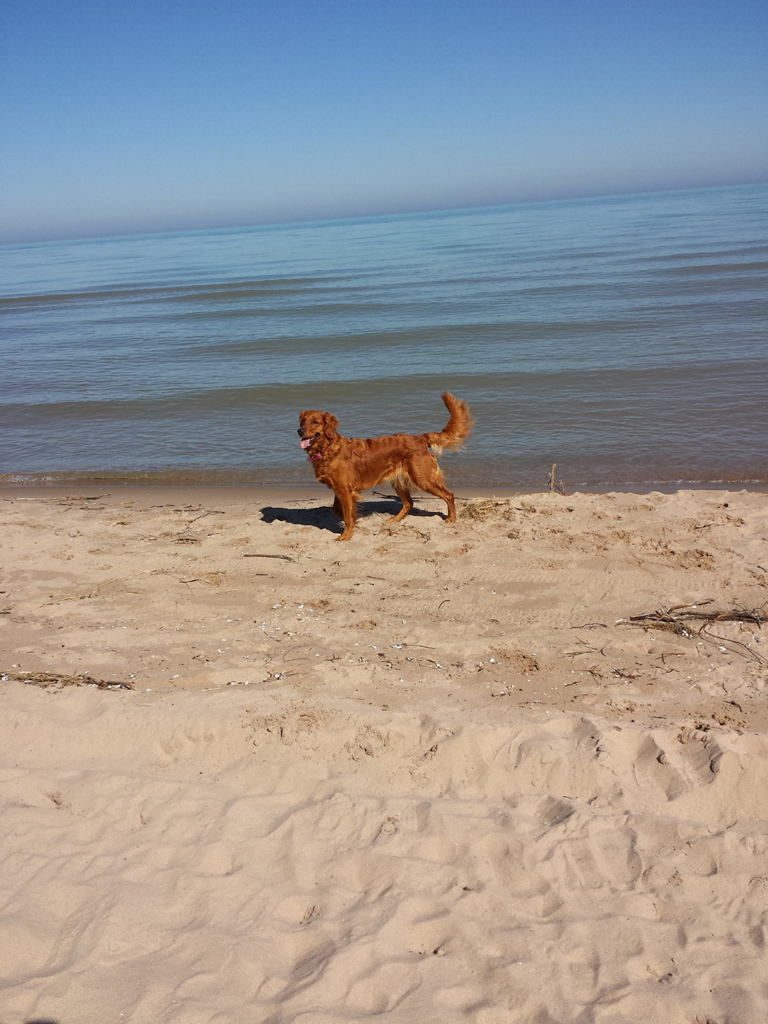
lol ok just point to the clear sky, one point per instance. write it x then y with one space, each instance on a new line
126 116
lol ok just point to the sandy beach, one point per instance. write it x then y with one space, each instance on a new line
509 769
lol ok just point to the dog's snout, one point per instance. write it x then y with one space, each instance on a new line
300 432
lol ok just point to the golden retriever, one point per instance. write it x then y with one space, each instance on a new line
349 465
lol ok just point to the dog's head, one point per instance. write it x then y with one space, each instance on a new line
314 426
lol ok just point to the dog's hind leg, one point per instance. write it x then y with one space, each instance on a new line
336 508
427 476
401 489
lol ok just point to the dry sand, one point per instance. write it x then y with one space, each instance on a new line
425 776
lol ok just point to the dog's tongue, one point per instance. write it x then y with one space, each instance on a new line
306 442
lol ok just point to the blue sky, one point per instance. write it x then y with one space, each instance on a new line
134 116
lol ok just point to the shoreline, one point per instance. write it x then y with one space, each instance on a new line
312 490
300 478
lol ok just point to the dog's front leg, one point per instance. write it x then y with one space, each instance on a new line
348 502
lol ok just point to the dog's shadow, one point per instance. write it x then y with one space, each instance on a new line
324 519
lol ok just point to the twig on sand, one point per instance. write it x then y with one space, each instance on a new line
285 558
588 649
718 641
76 497
670 654
203 515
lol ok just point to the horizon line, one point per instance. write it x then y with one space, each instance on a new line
395 215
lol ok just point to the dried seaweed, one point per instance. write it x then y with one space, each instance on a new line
480 509
47 679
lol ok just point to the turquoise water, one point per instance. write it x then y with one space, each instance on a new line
623 338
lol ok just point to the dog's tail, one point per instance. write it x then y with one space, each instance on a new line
458 428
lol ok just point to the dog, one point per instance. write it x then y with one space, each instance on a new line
349 465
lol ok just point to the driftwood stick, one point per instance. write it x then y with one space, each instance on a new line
285 558
680 612
553 485
674 619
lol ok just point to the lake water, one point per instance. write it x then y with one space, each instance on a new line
623 338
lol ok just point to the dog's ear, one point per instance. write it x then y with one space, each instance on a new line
330 425
302 414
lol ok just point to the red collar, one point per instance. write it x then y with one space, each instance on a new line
317 456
